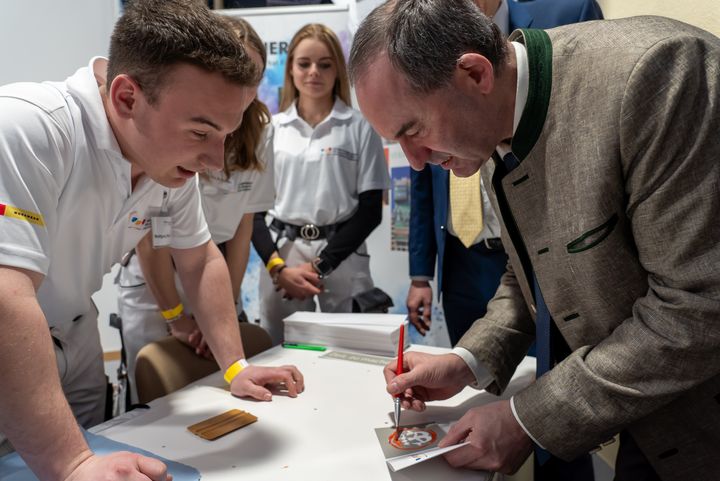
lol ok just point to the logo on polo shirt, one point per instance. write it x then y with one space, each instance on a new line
338 152
138 222
21 214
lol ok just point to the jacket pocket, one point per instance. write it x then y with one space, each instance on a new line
593 237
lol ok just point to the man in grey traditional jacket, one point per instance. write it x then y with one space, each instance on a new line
604 140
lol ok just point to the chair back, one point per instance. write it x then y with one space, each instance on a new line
168 365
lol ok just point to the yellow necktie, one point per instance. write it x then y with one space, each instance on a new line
466 207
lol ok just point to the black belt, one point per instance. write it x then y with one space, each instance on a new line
488 245
307 231
494 244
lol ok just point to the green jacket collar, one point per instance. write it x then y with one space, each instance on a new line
539 50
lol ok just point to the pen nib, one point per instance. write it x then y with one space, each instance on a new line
397 413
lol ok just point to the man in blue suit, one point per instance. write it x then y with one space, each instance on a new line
469 276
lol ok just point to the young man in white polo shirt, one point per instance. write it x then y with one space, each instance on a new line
87 166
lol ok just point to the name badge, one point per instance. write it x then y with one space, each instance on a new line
161 231
162 225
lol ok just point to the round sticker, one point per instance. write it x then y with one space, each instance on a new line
412 438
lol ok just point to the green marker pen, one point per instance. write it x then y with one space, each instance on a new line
307 347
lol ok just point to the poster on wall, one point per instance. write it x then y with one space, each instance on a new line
276 27
388 248
400 208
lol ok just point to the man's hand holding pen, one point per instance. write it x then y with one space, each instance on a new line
427 377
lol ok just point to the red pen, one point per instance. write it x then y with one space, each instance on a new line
398 371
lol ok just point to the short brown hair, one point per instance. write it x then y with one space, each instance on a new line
241 146
320 32
153 36
423 39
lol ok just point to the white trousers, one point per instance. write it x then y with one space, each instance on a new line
142 322
350 278
79 358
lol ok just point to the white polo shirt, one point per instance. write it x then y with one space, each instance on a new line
319 172
225 201
68 208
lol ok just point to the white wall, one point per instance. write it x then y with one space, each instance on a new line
50 39
702 13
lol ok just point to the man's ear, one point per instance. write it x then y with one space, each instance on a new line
477 71
124 93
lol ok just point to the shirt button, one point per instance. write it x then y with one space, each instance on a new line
442 227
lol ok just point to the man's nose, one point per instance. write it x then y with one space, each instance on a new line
417 156
215 158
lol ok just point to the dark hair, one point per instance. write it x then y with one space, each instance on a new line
322 33
241 145
424 39
153 36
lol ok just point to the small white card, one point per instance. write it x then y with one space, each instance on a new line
161 231
406 460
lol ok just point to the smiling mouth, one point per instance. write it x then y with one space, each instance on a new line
185 172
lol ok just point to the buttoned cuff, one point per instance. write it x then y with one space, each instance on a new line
421 278
517 418
482 376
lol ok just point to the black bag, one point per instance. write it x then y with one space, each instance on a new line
372 300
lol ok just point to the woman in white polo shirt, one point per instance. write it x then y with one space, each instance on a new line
151 300
330 173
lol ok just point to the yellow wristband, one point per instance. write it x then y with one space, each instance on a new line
173 313
235 368
277 261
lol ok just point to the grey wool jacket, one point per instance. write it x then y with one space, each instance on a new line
615 206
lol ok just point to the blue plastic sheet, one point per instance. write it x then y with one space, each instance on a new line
13 468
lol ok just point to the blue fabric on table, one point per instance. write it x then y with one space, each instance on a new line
13 468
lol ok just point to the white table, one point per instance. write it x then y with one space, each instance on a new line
327 433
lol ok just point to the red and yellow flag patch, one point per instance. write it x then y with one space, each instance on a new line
21 214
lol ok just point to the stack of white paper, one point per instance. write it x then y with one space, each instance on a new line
371 333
